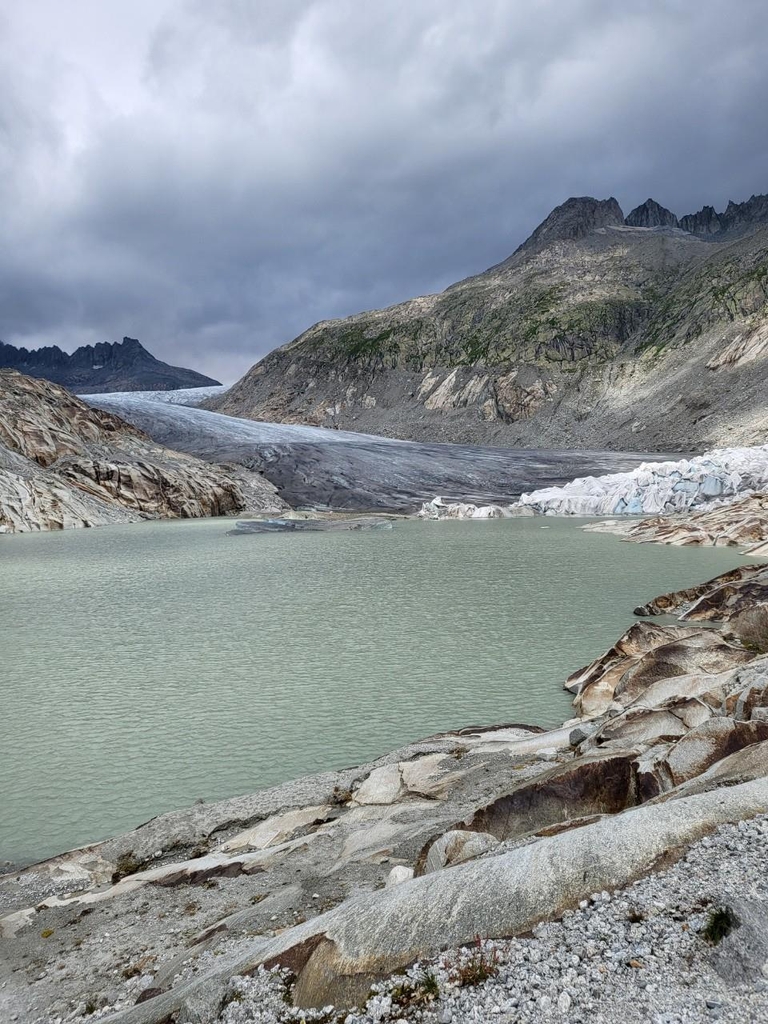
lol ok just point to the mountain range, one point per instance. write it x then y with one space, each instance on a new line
644 332
96 369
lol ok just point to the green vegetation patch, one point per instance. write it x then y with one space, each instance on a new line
720 924
356 343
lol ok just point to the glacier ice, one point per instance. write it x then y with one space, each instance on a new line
659 487
177 396
314 467
653 488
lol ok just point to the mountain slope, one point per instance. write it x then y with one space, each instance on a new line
64 464
597 332
94 369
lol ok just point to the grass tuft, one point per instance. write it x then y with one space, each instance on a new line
720 924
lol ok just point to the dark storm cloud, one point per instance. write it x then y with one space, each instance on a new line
213 178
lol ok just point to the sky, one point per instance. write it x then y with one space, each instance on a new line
214 176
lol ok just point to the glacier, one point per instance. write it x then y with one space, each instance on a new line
319 468
659 488
652 488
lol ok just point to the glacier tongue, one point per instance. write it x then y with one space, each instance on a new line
653 488
659 487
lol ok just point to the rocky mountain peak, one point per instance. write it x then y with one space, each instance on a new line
107 366
575 218
739 216
705 222
651 215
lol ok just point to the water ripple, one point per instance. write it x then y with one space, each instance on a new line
146 666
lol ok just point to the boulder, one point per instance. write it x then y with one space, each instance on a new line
708 743
741 957
399 874
457 846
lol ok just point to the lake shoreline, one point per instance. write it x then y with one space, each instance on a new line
456 605
305 848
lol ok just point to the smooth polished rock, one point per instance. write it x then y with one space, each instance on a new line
64 464
383 786
278 828
337 956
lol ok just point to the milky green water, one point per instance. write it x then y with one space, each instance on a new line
146 666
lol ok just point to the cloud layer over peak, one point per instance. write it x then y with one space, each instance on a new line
213 178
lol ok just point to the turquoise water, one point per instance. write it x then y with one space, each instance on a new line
146 666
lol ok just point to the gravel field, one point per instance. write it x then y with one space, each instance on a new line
637 955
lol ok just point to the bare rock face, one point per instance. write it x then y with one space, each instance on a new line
705 222
737 217
646 653
579 339
743 522
64 464
600 783
745 215
575 218
708 743
719 599
651 215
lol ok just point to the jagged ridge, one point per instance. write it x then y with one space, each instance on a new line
598 332
93 369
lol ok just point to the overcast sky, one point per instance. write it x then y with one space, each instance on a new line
213 176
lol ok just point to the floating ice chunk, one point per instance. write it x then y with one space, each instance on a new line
439 509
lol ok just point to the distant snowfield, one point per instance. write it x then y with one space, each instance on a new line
181 396
183 415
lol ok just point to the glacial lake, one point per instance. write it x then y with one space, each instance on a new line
144 667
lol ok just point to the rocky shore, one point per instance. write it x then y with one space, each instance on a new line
64 464
640 954
741 523
320 893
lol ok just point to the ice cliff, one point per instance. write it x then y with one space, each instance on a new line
650 489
